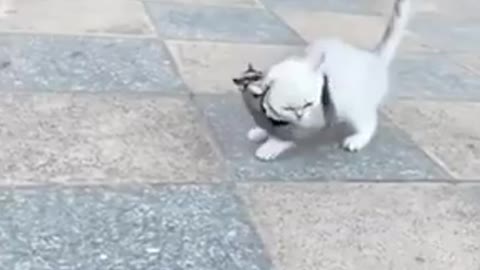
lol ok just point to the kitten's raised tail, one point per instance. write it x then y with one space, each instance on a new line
394 32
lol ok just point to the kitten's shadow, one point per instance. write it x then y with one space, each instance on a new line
329 137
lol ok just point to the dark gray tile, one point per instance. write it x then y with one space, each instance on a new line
132 227
341 6
447 34
433 76
220 24
390 155
60 63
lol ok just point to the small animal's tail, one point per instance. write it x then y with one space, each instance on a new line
393 33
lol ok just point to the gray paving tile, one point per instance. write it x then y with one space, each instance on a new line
448 34
85 64
390 156
248 25
81 138
132 227
433 76
341 6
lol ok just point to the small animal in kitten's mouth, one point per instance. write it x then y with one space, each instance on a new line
277 135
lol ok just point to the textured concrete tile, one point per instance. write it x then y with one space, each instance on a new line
209 67
433 76
390 156
377 227
455 35
447 131
330 24
80 138
228 3
470 61
85 64
220 24
340 6
134 228
123 17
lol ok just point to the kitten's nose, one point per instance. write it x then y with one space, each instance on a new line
236 81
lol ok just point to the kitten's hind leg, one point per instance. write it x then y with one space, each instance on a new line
257 134
272 148
365 126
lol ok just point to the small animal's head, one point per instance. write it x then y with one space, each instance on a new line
294 90
250 80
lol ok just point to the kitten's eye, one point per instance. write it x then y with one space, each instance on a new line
256 95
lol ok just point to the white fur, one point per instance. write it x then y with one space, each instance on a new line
257 134
272 148
358 81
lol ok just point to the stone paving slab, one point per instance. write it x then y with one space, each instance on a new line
433 76
209 67
339 25
203 23
338 6
130 227
228 3
124 17
367 226
456 35
390 156
447 131
61 63
78 138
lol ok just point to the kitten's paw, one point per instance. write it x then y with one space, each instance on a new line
272 148
257 134
355 142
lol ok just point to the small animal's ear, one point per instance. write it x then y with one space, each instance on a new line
250 67
318 61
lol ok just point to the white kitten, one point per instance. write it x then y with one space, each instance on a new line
357 82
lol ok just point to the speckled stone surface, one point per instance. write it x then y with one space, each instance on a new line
390 156
199 62
367 226
445 130
84 138
228 3
61 63
203 23
340 6
86 17
433 76
132 227
456 35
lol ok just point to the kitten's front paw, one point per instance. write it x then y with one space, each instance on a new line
272 148
257 134
355 142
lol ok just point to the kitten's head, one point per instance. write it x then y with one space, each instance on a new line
294 90
249 81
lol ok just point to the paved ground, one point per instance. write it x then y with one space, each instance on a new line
123 141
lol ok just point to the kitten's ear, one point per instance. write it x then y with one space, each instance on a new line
250 67
318 61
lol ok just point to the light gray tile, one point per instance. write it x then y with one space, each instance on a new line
368 226
77 138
